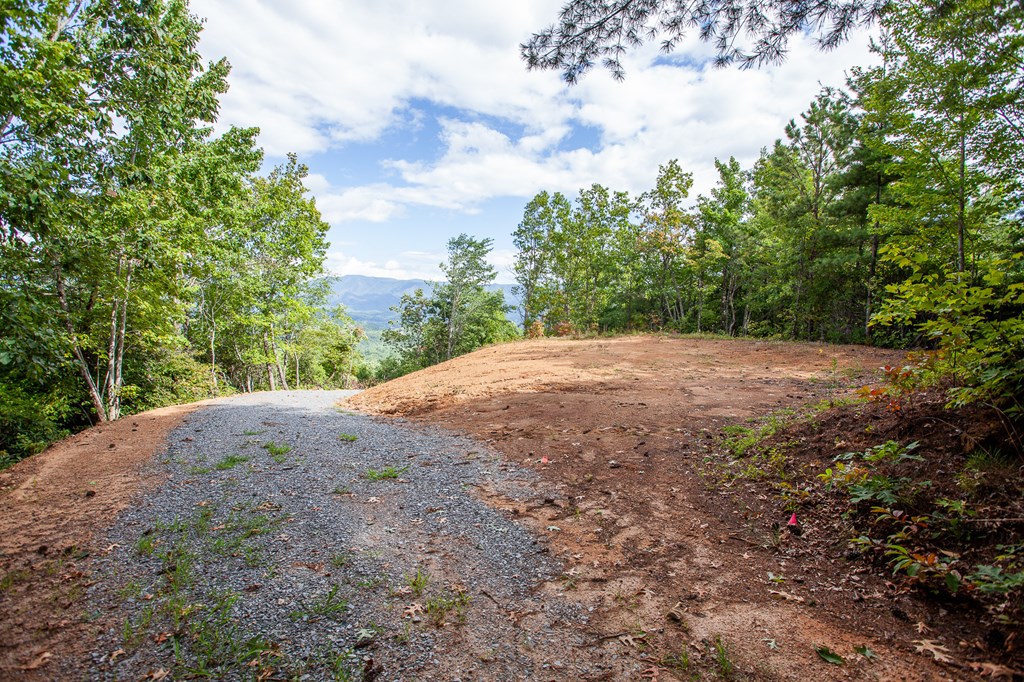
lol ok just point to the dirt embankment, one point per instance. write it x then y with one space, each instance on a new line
50 507
672 563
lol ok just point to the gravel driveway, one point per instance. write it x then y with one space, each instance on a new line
291 539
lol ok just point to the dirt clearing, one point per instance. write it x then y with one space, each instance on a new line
680 571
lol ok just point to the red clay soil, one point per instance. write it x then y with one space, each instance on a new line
672 561
51 505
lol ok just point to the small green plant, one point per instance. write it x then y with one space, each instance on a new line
877 488
230 462
722 660
347 437
146 544
12 578
891 450
388 472
440 607
252 433
341 560
277 452
679 662
418 581
329 605
345 666
200 470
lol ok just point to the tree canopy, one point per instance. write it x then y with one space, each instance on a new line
143 259
744 32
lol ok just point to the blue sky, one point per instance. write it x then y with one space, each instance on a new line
418 121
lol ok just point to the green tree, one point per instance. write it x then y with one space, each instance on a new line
459 316
747 32
722 221
955 223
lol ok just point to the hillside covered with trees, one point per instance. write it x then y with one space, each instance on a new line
143 259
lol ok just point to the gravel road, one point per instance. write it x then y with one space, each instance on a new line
290 539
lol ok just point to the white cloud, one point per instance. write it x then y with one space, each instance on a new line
318 76
405 265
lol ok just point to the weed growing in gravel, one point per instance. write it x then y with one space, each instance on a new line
341 560
347 437
372 582
440 606
329 606
199 471
252 433
345 666
146 544
277 452
385 473
230 462
418 581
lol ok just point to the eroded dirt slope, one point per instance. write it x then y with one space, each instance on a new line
51 505
669 561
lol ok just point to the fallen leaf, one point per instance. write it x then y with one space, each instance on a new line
994 670
921 628
37 662
865 652
677 612
114 656
633 640
828 655
161 637
930 646
651 673
157 674
412 610
778 594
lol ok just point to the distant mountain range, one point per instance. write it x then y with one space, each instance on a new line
369 299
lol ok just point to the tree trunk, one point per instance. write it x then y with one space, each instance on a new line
213 351
270 364
83 366
961 261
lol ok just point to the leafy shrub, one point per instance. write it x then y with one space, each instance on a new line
29 422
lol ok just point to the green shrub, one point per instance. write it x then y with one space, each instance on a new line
29 422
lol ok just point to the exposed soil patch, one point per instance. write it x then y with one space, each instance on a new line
628 431
51 505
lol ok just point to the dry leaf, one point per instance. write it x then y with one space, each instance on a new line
938 652
994 670
785 595
412 610
677 612
37 662
921 628
119 652
157 674
632 640
651 673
